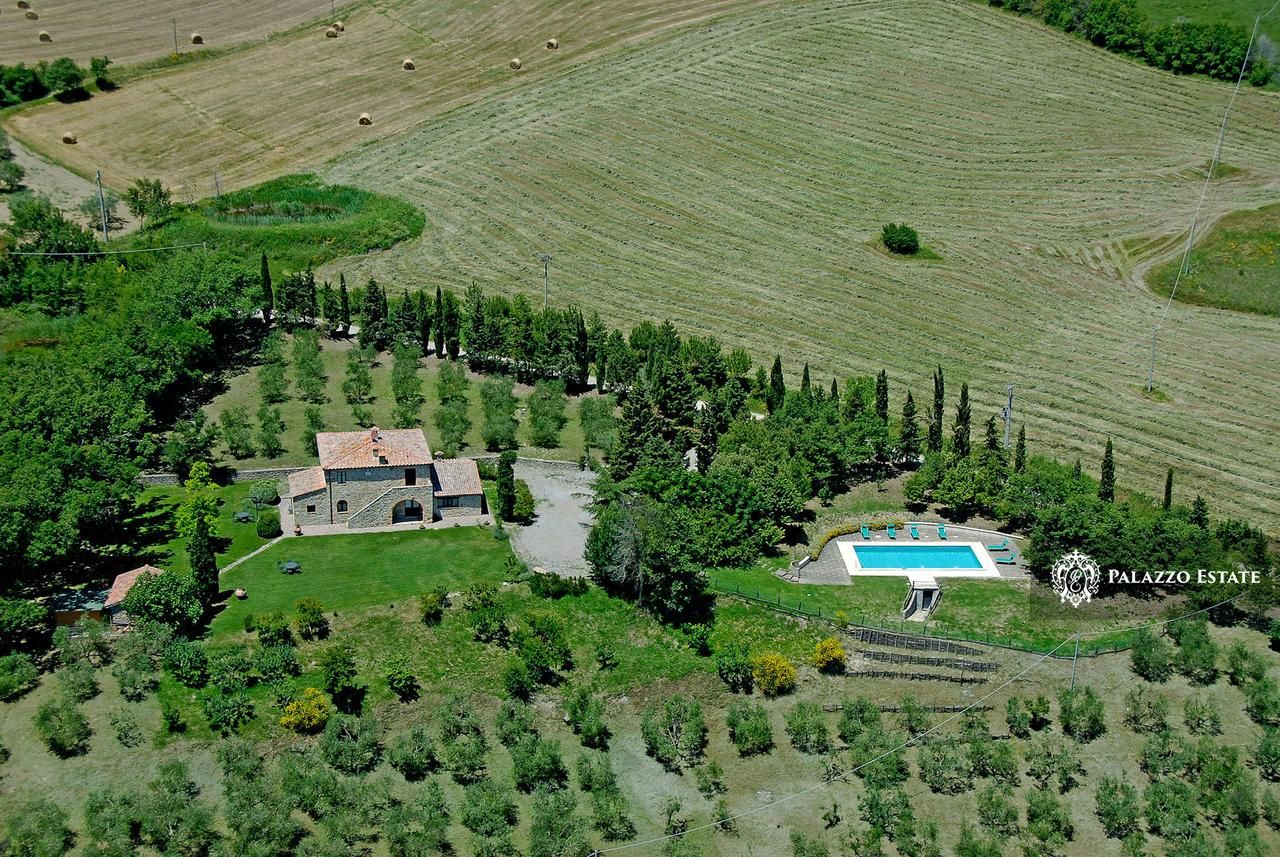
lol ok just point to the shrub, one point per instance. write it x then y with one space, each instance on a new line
431 605
187 662
828 655
37 827
1262 702
230 670
914 717
1117 807
773 674
699 637
522 511
1051 759
489 809
856 717
1200 713
517 681
227 712
1047 819
63 727
1082 714
675 735
1197 655
18 675
135 684
607 655
309 619
541 642
586 715
413 753
79 681
944 766
1171 809
1038 708
807 728
488 616
401 680
1244 666
513 721
276 663
24 625
595 773
308 713
350 744
126 728
1267 756
749 729
168 599
710 778
536 762
268 526
264 493
900 238
338 666
733 665
1151 657
997 813
1145 711
549 585
1017 718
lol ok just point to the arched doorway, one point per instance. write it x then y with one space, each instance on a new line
406 510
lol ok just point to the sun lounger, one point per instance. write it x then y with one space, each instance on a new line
866 532
915 531
1003 546
942 531
893 534
1011 559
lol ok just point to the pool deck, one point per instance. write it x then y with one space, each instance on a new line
831 569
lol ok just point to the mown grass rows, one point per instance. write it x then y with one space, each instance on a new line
730 179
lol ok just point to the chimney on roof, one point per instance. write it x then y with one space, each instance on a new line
373 434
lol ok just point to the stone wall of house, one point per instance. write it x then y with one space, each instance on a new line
360 486
378 512
311 509
467 505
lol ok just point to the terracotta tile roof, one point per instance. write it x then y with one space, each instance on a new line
392 448
124 582
456 477
305 481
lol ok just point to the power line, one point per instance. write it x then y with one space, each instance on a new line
116 252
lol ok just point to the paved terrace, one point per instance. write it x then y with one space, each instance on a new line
830 568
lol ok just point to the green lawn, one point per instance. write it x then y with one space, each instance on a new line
243 390
235 540
1233 266
1238 13
351 572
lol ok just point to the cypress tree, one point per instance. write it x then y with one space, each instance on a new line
507 485
939 402
1076 471
804 381
777 385
204 566
992 438
581 348
882 396
1168 490
1107 482
452 326
268 295
960 434
1020 451
424 319
344 300
373 317
835 391
909 440
1200 512
438 323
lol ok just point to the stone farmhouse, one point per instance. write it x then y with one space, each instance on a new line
378 477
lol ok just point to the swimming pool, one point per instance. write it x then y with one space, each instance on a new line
917 556
917 559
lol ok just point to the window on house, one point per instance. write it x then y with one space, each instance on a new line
340 477
410 476
342 505
449 502
311 508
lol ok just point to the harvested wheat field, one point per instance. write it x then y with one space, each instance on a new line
259 112
733 178
133 30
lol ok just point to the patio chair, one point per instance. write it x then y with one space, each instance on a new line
1003 546
942 531
1011 559
866 532
915 531
893 534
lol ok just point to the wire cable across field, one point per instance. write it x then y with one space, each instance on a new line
117 252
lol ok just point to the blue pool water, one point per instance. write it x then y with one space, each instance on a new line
917 556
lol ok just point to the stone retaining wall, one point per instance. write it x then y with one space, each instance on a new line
278 474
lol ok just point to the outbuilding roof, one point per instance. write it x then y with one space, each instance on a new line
306 481
124 582
456 477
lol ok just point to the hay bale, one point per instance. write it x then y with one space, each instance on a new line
69 138
553 44
331 33
45 37
31 15
339 26
366 119
24 4
408 65
515 63
197 39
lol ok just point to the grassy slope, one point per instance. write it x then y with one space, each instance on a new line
1232 266
1238 13
737 190
169 549
243 390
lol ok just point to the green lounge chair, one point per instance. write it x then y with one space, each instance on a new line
866 532
1007 560
942 531
893 534
1003 546
915 531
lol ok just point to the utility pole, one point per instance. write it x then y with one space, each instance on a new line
217 184
1151 368
1007 413
545 258
333 10
1075 658
102 206
175 35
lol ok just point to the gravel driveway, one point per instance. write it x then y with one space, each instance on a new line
556 538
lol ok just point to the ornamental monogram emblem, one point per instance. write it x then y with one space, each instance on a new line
1075 578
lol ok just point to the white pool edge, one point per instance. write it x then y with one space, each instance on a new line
854 566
